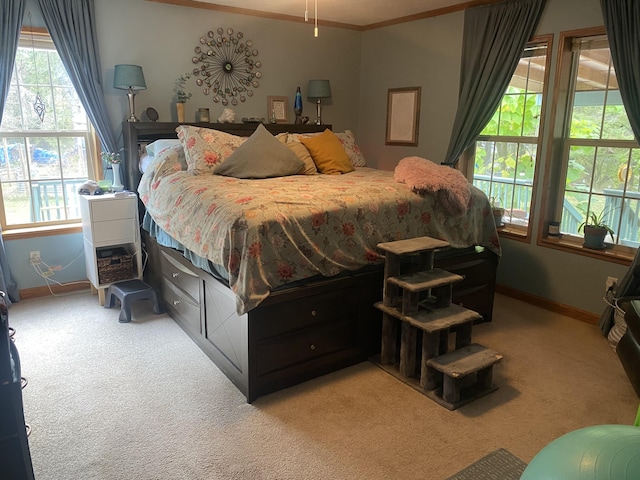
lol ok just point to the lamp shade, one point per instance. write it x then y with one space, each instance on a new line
319 89
127 77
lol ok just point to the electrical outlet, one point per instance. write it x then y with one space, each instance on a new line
610 283
34 257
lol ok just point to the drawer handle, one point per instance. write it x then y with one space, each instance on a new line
312 347
175 274
176 302
313 313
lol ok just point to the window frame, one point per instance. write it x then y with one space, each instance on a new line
557 153
512 230
30 36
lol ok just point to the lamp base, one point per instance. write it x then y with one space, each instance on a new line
318 113
132 109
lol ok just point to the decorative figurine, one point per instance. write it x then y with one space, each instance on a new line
227 116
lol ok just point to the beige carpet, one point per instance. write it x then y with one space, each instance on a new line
140 401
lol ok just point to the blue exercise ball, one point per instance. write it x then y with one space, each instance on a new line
601 452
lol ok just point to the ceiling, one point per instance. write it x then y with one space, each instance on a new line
356 13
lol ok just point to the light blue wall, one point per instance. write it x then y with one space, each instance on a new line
56 251
424 53
161 38
362 66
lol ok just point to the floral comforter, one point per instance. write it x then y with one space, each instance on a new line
270 232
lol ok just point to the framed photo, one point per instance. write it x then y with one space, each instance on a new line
403 116
277 109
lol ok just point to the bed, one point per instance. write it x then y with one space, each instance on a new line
275 278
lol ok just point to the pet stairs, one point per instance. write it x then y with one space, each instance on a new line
417 317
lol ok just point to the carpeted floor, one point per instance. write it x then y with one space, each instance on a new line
111 401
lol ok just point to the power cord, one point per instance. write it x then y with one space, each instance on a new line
51 270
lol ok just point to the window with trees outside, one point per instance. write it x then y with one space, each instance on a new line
46 140
506 151
600 158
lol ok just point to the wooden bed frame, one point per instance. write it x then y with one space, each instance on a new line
299 332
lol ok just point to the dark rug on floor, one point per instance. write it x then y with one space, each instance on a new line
498 465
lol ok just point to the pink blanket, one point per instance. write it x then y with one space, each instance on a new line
448 184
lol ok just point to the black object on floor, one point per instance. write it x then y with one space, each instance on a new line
498 465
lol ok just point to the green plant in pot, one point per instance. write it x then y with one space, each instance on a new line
595 230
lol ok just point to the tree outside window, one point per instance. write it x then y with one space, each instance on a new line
506 152
601 159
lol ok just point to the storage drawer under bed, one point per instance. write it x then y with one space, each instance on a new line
180 276
181 305
291 333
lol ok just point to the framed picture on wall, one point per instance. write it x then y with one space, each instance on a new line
277 109
403 116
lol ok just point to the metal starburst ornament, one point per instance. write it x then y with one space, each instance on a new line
226 66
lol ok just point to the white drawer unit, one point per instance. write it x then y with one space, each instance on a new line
110 225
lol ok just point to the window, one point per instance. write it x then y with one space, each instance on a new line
43 159
600 158
506 152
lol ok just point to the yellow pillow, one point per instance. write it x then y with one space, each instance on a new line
328 153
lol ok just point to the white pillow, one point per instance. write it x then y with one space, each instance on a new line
144 162
156 147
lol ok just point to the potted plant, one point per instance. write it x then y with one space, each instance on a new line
181 94
497 210
595 230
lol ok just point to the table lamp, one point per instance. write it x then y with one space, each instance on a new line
319 89
130 78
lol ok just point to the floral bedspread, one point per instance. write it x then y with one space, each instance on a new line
270 232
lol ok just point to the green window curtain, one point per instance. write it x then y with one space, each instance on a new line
493 40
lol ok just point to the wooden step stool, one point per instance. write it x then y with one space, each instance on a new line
438 282
422 247
435 324
462 375
419 303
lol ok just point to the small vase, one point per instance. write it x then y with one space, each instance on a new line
117 183
180 112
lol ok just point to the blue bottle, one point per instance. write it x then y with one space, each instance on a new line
297 106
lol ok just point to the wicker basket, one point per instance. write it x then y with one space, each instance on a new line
115 268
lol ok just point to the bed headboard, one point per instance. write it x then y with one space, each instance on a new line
138 133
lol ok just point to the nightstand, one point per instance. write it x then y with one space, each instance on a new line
111 239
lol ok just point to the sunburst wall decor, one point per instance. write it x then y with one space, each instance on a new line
226 66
